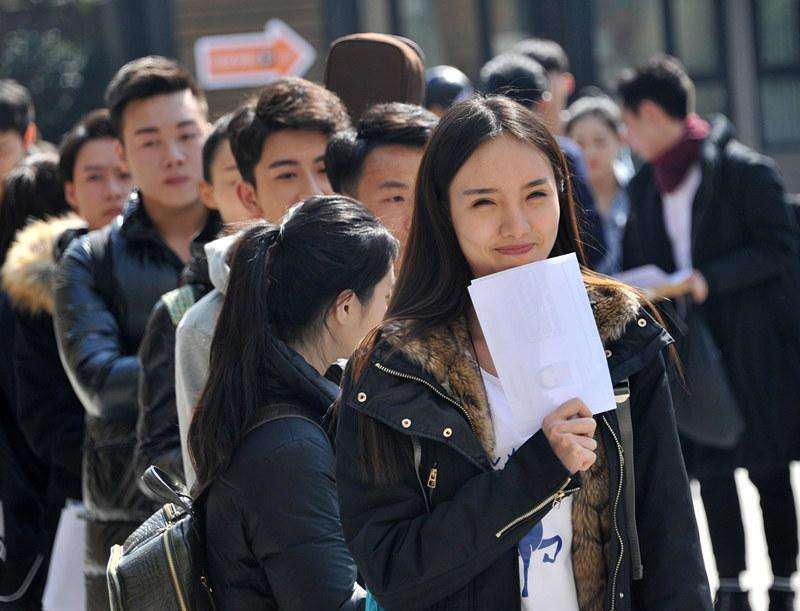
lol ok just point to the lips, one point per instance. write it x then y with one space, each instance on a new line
520 249
176 181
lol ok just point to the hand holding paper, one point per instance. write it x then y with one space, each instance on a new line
543 339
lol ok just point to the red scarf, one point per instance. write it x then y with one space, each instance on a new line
671 166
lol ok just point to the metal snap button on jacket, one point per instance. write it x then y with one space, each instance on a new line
361 397
406 422
448 432
642 322
608 354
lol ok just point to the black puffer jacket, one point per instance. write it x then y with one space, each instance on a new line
273 534
106 286
157 435
450 540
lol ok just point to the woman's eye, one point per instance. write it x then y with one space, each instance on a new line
482 202
286 176
395 199
537 195
94 177
149 143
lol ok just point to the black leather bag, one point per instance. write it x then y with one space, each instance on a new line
162 564
705 407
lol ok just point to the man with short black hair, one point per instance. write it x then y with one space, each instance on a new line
525 81
17 127
279 146
377 164
108 281
707 205
552 57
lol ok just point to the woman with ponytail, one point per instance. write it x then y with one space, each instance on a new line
300 297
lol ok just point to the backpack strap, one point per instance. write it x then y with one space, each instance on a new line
622 396
178 301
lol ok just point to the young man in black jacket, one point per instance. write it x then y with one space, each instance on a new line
108 281
707 205
158 442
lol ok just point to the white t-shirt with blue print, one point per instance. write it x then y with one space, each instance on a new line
546 578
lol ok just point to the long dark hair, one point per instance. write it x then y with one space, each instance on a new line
33 190
284 280
431 288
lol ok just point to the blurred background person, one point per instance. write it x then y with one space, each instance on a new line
17 126
446 85
707 205
596 125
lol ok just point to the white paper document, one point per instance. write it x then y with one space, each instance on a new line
543 339
651 277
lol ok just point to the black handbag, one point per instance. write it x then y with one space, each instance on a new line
162 564
705 406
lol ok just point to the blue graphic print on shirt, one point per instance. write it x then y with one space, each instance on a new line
532 542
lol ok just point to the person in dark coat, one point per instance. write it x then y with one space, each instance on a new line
157 435
108 281
432 519
28 519
524 80
707 204
96 186
317 284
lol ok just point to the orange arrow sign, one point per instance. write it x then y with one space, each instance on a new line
252 59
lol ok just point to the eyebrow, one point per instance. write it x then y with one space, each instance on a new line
392 184
485 190
93 168
154 130
282 162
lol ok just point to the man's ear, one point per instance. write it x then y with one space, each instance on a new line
69 194
247 195
29 137
119 147
569 83
206 190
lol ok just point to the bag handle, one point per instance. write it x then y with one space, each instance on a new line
165 488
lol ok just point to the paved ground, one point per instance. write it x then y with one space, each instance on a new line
759 576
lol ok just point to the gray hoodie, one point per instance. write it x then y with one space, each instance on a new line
193 343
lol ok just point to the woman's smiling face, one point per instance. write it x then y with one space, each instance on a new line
504 206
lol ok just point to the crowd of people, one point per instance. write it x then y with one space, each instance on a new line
273 310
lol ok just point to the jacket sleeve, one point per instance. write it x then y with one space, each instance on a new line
412 558
89 340
157 437
192 349
49 413
770 229
674 576
295 529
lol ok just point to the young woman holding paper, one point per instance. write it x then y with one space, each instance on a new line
442 504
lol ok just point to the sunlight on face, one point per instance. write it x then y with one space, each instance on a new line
599 143
504 206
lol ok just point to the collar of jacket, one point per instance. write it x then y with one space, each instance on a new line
196 270
444 361
722 132
30 267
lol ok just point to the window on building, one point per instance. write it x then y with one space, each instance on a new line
777 25
627 32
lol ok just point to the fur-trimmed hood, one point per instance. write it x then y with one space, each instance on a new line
31 262
446 353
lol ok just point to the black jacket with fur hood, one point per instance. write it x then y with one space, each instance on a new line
450 541
48 411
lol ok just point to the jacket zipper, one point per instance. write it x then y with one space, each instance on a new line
554 498
447 398
616 507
